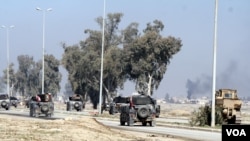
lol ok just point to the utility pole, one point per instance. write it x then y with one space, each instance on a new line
44 12
214 65
8 58
101 79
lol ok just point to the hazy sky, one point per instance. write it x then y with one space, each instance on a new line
190 71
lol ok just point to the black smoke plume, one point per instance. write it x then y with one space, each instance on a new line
200 86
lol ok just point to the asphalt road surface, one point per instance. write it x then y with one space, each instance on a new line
185 133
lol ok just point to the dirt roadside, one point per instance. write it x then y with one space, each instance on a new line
13 128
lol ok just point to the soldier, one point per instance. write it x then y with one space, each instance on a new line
131 104
38 99
48 97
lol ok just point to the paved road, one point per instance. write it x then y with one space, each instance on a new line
185 133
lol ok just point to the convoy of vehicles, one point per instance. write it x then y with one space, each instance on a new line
131 109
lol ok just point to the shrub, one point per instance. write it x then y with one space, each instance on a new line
202 117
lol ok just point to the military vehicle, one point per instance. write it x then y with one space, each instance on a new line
120 101
117 102
14 101
5 101
141 108
42 106
230 105
75 102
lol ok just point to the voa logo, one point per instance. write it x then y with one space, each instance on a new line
236 132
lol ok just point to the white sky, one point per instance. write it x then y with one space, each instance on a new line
190 20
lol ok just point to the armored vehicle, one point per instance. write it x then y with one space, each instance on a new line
75 102
141 108
4 101
117 103
41 104
120 101
230 105
14 101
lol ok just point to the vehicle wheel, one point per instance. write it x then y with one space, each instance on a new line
111 110
7 107
122 123
143 112
144 123
152 123
80 109
44 108
68 106
77 104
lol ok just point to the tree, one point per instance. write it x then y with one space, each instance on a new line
12 78
147 57
127 55
23 84
34 79
85 77
2 85
52 76
167 97
71 61
29 73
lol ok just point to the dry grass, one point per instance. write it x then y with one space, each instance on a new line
177 110
83 129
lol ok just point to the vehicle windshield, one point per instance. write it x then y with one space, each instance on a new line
228 95
13 98
120 99
142 100
75 98
4 96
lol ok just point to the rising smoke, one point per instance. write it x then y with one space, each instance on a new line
200 86
231 77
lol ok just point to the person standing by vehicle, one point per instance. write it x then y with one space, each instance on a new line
38 99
